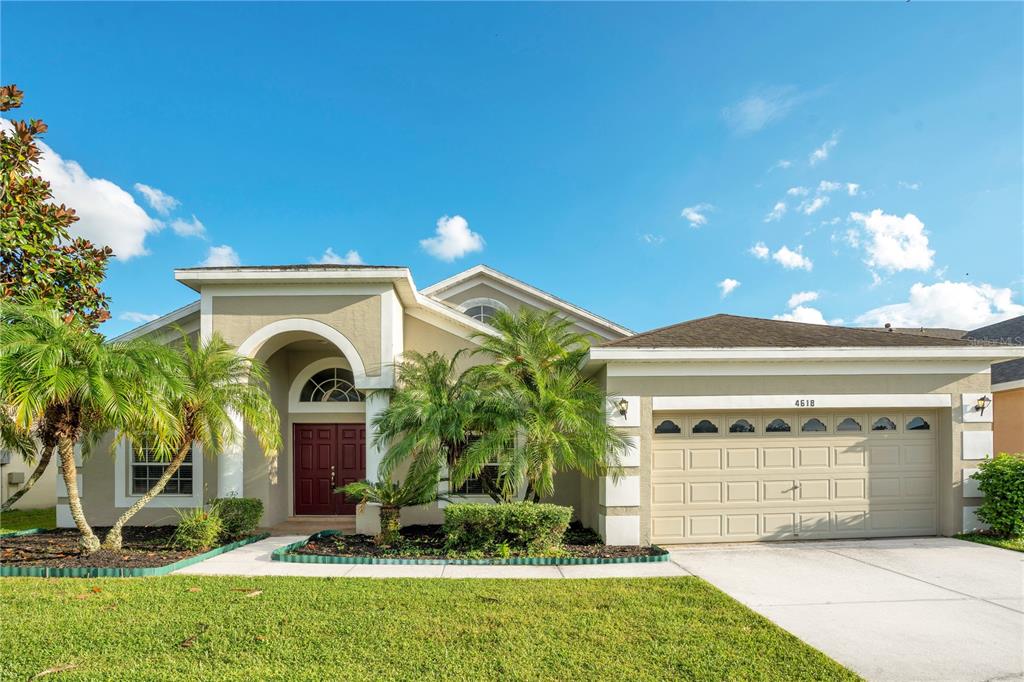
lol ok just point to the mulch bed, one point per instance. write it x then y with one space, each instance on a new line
142 548
427 542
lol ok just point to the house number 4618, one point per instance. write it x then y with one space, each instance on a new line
805 402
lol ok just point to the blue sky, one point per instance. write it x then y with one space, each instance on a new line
855 162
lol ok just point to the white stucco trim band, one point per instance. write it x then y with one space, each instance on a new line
1008 385
827 401
993 354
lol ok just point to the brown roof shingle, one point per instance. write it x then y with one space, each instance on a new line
733 331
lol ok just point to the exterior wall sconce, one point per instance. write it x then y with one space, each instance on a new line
983 402
622 407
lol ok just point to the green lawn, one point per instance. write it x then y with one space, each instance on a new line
1016 544
23 519
201 628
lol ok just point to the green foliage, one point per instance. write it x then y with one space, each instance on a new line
240 516
38 257
506 528
1015 544
1001 480
418 487
198 529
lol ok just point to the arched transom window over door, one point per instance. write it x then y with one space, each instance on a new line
332 385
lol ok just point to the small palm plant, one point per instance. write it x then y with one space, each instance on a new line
418 487
218 382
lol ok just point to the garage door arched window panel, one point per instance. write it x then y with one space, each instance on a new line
778 425
849 424
813 425
332 385
883 424
918 424
742 426
667 426
705 426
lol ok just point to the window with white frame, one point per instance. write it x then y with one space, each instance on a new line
331 385
474 485
483 309
147 470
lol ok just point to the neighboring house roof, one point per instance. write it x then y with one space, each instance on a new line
733 331
178 317
942 332
1007 332
442 289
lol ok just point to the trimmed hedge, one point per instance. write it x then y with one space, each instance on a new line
240 516
513 527
1001 481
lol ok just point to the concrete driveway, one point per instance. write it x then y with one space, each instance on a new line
901 609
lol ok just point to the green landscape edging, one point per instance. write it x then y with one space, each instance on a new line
28 531
96 572
284 554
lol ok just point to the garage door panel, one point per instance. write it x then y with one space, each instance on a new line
722 487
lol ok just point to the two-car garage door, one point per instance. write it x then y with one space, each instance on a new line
735 477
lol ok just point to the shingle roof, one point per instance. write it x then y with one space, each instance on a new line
733 331
944 332
1008 331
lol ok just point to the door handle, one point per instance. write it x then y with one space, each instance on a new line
332 476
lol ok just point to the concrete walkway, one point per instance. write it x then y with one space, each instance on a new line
900 609
255 559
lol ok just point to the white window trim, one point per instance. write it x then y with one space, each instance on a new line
124 499
295 391
473 302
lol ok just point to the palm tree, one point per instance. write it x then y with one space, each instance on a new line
429 415
419 487
542 415
217 382
58 374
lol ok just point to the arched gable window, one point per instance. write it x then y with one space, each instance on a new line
668 426
332 385
778 426
813 424
883 424
705 426
741 426
848 424
483 309
918 424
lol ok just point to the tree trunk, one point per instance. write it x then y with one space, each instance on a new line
530 493
113 539
390 525
44 461
89 543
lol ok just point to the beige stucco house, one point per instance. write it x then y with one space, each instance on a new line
740 428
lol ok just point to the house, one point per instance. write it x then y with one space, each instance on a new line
14 474
739 428
1007 385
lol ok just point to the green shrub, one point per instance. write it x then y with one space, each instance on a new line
514 527
239 515
1001 481
198 529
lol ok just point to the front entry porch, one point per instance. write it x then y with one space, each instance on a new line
309 524
325 457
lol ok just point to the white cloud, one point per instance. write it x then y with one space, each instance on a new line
797 191
329 257
696 214
137 318
793 259
801 297
159 201
655 239
909 185
852 188
828 186
108 215
805 314
958 305
822 152
760 108
454 239
188 228
222 256
760 250
814 205
894 243
728 285
781 163
776 213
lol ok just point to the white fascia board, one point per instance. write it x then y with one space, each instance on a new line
160 322
766 402
990 353
1008 385
195 279
730 368
520 288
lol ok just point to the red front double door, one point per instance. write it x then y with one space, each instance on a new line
327 456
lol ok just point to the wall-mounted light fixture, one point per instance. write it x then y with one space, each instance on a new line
983 402
622 407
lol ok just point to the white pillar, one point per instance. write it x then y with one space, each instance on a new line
230 471
376 402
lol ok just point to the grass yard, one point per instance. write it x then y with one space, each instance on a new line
1016 544
200 628
23 519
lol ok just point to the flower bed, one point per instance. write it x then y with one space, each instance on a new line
145 551
426 545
